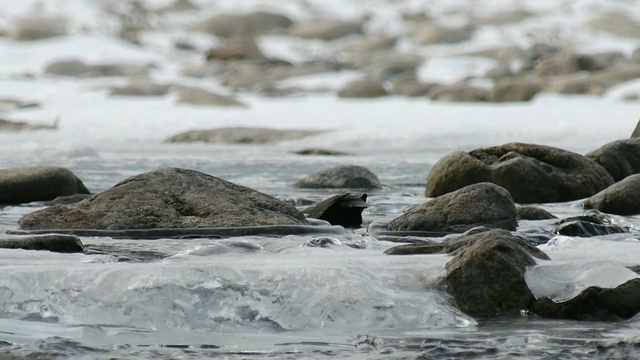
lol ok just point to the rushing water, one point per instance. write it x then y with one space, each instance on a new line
286 297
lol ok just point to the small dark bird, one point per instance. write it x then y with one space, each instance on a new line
344 210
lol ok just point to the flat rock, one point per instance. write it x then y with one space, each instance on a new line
364 88
320 151
201 97
38 183
341 177
38 28
14 126
621 158
243 135
531 173
50 242
78 68
237 48
592 223
431 33
326 29
482 204
168 198
487 278
251 24
621 198
459 92
594 304
140 88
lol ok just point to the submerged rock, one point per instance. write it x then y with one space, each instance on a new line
594 304
534 213
483 204
38 183
486 278
50 242
593 223
168 198
621 198
621 158
341 177
344 210
201 97
531 173
319 151
242 135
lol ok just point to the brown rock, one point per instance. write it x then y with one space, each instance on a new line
516 89
364 88
621 198
200 97
326 29
621 158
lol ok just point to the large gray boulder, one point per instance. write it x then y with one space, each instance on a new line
341 177
621 158
621 198
38 183
168 198
594 304
243 135
531 173
487 277
483 204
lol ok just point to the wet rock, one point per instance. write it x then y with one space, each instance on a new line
592 223
371 43
201 97
616 23
318 151
621 158
67 199
564 62
636 131
322 242
364 88
599 61
326 29
531 173
431 33
38 183
500 72
251 24
459 92
11 103
594 304
13 126
37 28
341 177
67 67
534 213
344 210
483 204
576 84
516 89
617 74
237 48
487 277
408 85
382 65
621 198
242 135
49 242
168 198
140 87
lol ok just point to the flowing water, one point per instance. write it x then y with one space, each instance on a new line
283 297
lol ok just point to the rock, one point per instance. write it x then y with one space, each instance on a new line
554 64
636 131
67 67
318 151
534 213
576 84
515 89
141 87
237 48
341 177
49 242
38 183
251 24
594 304
37 28
531 173
458 93
503 18
326 29
344 210
179 6
371 43
168 198
483 204
487 278
498 73
408 85
617 74
593 223
616 23
364 88
621 198
201 97
11 103
67 199
621 158
430 33
242 135
599 61
12 126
